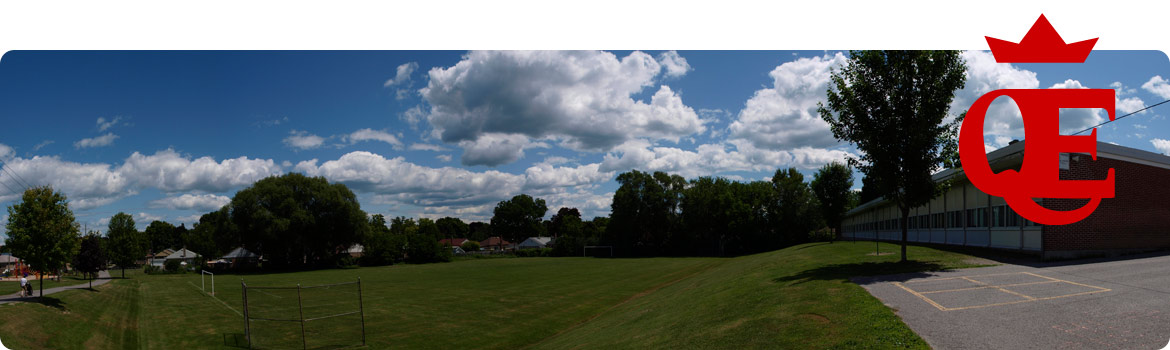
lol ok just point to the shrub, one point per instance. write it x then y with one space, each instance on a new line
470 246
533 252
173 265
822 235
151 269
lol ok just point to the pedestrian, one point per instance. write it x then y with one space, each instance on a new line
23 285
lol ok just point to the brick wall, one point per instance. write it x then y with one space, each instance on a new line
1137 218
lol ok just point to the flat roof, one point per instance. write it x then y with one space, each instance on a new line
1104 150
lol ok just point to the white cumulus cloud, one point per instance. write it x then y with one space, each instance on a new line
1158 86
374 135
1162 145
203 202
583 99
675 66
303 140
784 116
100 141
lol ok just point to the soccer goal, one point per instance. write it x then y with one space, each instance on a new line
203 276
598 251
308 317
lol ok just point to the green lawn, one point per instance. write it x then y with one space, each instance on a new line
796 297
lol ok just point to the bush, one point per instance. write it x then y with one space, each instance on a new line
425 249
345 261
470 246
534 252
822 235
151 269
173 266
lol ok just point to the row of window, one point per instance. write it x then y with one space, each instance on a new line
997 216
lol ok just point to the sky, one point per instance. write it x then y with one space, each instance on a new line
171 135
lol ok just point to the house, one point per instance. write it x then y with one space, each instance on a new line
495 243
183 255
535 243
1133 220
8 262
355 250
240 257
454 242
159 258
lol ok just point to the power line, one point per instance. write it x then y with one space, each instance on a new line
1119 118
12 173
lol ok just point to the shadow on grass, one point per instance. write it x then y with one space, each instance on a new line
50 302
235 340
843 272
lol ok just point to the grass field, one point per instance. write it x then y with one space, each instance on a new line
795 297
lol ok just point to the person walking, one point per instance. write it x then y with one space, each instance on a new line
24 285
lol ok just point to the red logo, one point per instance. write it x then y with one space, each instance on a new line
1039 176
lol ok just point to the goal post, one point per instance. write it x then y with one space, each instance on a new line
310 317
203 281
597 251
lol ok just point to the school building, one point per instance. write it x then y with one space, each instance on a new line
1136 219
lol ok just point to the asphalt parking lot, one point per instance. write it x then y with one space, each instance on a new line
1102 304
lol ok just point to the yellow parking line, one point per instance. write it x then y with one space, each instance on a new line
985 287
954 278
940 307
1027 298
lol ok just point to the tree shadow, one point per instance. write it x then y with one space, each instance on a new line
889 270
235 340
49 301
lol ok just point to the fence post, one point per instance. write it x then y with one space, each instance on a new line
362 310
247 328
301 310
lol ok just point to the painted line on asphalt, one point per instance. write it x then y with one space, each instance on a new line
1027 298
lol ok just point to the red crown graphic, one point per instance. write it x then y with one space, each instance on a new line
1041 45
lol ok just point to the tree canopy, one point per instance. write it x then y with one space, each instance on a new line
518 218
893 105
42 231
127 245
295 221
832 185
92 256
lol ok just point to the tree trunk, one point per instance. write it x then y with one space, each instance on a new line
123 272
42 284
905 218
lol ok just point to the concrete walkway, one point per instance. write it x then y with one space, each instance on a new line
103 278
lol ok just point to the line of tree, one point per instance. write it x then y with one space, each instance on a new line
655 214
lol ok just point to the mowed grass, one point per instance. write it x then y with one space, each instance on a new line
797 297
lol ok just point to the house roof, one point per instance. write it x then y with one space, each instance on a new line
452 241
240 253
494 241
1015 151
165 253
8 259
536 241
182 254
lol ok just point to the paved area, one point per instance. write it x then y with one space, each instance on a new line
1118 304
103 278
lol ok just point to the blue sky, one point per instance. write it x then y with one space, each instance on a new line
171 135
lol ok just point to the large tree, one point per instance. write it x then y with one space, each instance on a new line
92 256
451 227
832 185
214 235
380 246
794 208
894 106
566 222
644 212
296 221
127 245
162 236
41 231
519 218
